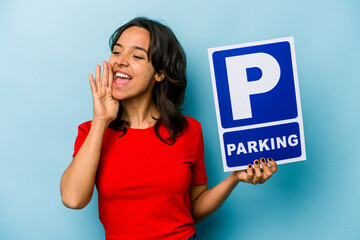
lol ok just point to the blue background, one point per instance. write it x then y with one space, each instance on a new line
277 104
47 48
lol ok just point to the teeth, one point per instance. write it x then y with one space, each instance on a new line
122 75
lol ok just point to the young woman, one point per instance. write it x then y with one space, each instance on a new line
145 157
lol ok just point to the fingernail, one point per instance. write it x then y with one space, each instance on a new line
256 162
250 166
270 159
262 159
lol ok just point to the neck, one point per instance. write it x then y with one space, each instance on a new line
139 114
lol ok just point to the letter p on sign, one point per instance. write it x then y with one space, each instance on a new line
241 89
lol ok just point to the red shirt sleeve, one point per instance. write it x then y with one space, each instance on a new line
198 171
83 131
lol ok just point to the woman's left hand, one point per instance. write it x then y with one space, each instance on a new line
255 174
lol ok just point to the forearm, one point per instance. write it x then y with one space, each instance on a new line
78 180
210 200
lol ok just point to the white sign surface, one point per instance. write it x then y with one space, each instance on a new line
257 99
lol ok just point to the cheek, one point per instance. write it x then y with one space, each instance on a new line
144 71
111 60
150 72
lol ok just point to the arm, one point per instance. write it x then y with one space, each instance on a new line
206 201
78 180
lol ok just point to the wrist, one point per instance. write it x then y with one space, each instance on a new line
99 122
234 177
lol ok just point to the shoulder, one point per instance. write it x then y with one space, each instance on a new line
193 125
192 121
85 126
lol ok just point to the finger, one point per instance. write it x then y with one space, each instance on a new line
97 76
111 76
258 175
92 84
273 165
105 76
249 174
267 172
266 167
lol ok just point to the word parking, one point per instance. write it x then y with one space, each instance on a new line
262 145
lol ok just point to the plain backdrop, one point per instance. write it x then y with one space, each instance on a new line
47 48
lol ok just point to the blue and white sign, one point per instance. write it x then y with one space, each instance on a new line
257 99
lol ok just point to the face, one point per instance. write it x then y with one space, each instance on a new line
134 75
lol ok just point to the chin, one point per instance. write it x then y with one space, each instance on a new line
118 95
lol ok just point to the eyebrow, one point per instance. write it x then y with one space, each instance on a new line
136 47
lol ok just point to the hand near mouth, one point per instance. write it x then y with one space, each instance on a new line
105 106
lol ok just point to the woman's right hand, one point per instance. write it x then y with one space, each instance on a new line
106 107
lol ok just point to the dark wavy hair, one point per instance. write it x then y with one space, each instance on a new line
167 57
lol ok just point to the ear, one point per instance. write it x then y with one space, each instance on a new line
159 76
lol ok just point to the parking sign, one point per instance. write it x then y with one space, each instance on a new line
257 101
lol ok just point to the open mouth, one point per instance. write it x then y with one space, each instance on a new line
121 79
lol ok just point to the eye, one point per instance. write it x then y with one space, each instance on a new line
115 53
138 57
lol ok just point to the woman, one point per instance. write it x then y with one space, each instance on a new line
145 157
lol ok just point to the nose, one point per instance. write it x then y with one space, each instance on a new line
122 60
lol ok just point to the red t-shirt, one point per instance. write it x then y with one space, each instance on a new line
144 184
